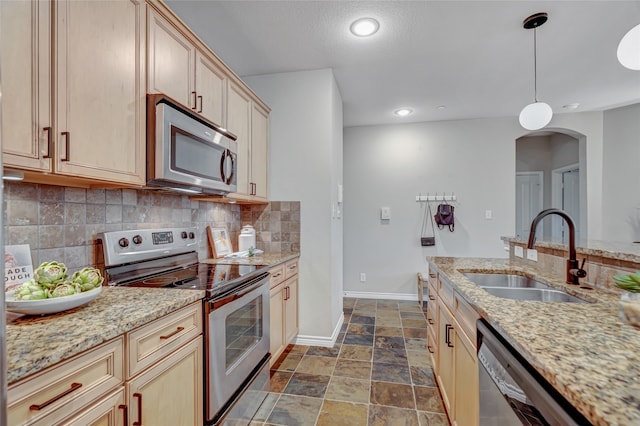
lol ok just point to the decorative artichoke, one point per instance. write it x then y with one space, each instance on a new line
30 290
66 289
50 274
87 279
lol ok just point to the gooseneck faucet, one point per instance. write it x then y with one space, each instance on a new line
573 271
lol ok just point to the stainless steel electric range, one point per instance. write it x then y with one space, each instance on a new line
236 311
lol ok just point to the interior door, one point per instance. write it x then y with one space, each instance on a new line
529 192
571 199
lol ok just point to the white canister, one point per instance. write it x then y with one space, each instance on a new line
247 238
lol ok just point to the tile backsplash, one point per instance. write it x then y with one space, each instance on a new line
61 223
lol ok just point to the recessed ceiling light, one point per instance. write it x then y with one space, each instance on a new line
364 27
441 107
403 112
571 106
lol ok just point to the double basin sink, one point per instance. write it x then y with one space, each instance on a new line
517 287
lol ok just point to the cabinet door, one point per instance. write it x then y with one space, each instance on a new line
291 310
238 123
171 59
466 386
211 87
109 411
445 372
100 90
259 151
276 318
25 37
170 393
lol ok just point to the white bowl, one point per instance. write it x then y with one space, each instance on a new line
50 306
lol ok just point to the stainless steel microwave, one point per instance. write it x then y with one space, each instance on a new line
186 152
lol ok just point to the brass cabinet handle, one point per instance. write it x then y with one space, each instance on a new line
277 275
139 396
432 297
292 267
430 321
74 386
125 414
432 275
195 101
49 142
67 136
200 99
178 330
430 348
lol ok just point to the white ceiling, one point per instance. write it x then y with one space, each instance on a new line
474 57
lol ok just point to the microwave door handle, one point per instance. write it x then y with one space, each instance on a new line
223 166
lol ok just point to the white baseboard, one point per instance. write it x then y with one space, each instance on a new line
326 342
389 296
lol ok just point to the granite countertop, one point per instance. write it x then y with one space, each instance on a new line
583 350
37 342
614 250
269 259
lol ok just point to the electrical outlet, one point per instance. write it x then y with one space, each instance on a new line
532 255
363 277
518 251
488 214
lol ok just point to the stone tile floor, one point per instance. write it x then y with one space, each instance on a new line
378 373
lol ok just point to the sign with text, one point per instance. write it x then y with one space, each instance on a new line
17 266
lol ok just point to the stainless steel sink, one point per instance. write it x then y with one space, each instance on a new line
504 280
517 287
537 294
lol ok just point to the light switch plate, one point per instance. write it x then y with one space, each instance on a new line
518 251
385 213
532 255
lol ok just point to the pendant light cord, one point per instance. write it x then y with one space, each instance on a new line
535 66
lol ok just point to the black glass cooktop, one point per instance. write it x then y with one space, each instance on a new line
215 279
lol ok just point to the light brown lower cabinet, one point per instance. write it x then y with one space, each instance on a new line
454 353
169 393
283 307
164 385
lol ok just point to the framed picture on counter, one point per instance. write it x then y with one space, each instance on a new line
219 241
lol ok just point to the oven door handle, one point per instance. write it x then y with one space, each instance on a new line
238 294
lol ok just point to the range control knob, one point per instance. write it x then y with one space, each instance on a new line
184 235
123 242
192 235
137 239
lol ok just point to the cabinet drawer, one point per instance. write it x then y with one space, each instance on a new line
432 347
432 315
445 291
466 317
109 411
154 341
433 279
68 387
277 275
290 268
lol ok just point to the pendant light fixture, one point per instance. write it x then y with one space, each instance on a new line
537 114
629 49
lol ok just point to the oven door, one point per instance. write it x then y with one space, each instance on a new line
238 341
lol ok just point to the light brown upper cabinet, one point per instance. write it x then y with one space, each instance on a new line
249 121
181 71
94 133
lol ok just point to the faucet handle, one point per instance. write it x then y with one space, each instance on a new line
580 272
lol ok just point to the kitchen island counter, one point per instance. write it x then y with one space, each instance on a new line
37 342
583 350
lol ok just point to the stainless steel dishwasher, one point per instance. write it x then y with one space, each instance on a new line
512 392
